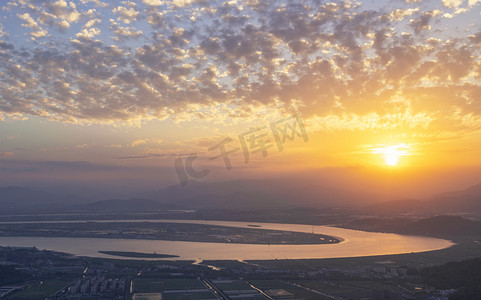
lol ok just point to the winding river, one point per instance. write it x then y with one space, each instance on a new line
354 243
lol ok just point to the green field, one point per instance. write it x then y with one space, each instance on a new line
190 296
296 291
40 289
185 286
232 285
155 285
349 290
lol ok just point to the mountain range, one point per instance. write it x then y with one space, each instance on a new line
466 201
244 195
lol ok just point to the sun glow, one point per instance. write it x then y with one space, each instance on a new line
392 153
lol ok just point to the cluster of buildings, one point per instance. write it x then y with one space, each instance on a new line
387 294
99 285
382 270
102 279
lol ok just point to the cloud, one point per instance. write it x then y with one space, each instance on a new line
145 141
424 21
370 121
82 146
126 15
36 30
38 16
61 9
114 146
6 154
220 62
138 142
399 14
56 167
142 156
88 33
452 3
181 3
98 3
123 32
153 2
92 22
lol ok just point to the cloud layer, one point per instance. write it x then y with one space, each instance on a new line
342 64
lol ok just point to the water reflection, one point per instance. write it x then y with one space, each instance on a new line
354 243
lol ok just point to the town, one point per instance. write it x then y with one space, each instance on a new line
42 274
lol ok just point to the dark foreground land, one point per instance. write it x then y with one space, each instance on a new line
452 273
29 273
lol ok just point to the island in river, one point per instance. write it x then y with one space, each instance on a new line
137 254
169 231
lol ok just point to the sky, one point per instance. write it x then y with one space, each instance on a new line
133 95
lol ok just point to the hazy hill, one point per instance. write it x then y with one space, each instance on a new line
15 199
463 276
443 226
239 195
243 195
438 226
465 201
397 207
253 194
122 205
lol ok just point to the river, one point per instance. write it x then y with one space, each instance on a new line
354 243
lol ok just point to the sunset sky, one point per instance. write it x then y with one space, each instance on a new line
110 93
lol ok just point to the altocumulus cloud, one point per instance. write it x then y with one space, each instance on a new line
93 61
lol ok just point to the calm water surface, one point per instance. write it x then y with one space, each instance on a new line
354 243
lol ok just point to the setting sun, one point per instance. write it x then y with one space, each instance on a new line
392 153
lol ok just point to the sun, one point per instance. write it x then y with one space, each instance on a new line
392 153
391 158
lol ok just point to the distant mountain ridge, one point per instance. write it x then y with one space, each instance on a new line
14 199
242 195
238 195
443 226
266 193
455 202
439 226
125 205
